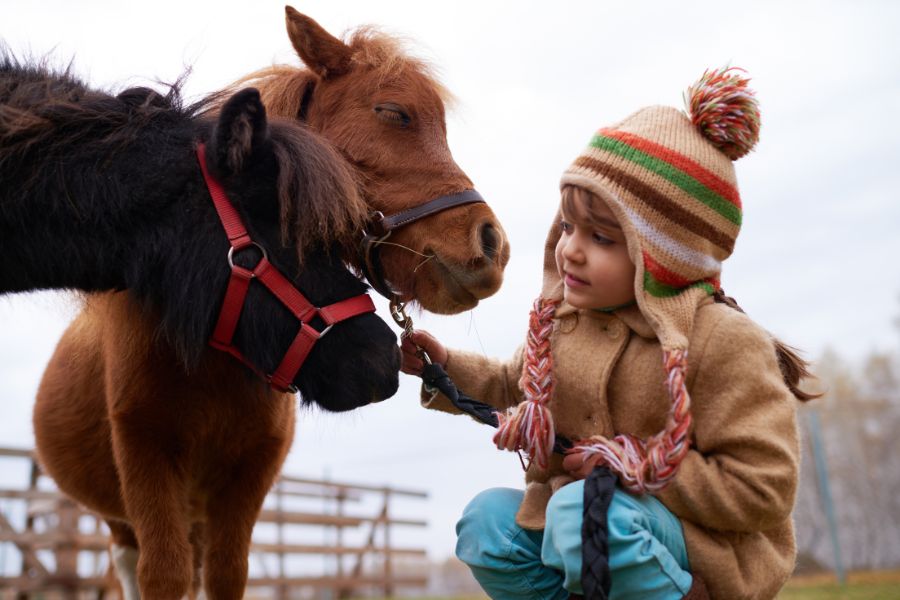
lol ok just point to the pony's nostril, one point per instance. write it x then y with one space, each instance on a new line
490 241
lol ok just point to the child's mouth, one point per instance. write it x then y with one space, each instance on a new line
572 281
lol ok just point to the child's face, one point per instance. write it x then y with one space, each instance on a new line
591 255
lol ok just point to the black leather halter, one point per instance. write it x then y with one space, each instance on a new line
380 227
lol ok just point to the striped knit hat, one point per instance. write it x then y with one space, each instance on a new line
669 179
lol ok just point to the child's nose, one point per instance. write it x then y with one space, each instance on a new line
572 249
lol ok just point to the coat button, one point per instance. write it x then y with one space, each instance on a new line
614 329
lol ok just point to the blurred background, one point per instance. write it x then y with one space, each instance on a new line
816 262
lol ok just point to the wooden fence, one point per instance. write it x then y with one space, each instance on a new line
313 539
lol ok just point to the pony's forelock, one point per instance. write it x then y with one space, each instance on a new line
389 55
319 201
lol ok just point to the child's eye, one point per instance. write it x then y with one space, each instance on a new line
601 239
565 227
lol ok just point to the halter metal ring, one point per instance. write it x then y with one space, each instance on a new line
265 255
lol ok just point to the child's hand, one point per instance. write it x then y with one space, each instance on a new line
412 364
580 464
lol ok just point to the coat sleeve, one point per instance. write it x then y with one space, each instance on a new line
489 380
741 473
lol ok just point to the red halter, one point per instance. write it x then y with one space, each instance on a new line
269 276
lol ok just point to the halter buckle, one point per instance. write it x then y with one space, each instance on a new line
375 226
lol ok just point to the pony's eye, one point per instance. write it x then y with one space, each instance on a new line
392 113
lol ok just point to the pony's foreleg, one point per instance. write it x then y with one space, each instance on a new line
125 559
124 553
154 501
231 515
197 544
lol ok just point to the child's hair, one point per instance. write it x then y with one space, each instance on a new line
793 368
584 211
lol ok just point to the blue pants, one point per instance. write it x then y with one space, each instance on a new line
648 559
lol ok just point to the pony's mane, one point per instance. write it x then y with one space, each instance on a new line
282 86
53 110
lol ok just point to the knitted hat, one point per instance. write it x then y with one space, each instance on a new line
669 179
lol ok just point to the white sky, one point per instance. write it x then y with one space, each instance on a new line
815 262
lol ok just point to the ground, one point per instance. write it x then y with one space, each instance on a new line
878 585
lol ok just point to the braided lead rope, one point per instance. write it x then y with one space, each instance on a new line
529 426
648 466
599 488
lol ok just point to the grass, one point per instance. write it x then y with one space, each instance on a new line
876 585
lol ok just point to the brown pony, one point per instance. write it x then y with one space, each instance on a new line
384 113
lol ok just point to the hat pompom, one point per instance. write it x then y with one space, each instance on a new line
725 110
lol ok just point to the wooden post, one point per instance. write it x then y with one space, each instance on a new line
29 523
67 548
339 511
388 571
282 591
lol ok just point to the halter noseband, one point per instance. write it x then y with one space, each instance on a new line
280 286
380 227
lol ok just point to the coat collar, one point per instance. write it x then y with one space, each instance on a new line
634 318
631 316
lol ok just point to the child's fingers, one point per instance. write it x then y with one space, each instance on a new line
579 465
411 365
429 344
422 338
407 346
573 462
410 346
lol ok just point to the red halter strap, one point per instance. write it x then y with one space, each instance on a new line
268 275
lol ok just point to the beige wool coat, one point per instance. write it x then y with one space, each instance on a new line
735 489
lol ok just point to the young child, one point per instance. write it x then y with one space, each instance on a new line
706 449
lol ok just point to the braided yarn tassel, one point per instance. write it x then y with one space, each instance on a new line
648 466
529 426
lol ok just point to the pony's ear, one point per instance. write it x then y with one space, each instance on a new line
241 128
318 49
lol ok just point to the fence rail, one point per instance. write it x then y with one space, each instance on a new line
52 548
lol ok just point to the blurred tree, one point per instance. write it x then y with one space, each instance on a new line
860 415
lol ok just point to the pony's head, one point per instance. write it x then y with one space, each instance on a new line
299 202
384 112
